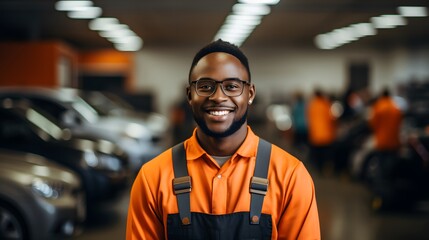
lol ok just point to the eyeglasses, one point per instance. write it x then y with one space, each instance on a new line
230 87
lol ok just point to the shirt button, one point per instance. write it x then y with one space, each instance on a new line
219 176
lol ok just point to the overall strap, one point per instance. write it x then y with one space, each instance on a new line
258 186
259 181
182 183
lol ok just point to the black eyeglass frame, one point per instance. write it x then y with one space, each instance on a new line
244 82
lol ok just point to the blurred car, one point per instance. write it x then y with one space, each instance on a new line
108 104
38 198
101 165
71 111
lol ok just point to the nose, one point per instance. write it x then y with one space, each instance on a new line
218 93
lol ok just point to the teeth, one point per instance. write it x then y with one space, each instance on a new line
219 113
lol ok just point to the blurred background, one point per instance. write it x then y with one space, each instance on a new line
91 90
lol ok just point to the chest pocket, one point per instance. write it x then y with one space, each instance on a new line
234 226
242 225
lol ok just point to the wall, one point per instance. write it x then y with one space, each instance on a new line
279 72
49 64
108 63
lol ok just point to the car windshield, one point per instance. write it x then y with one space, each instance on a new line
40 121
85 110
105 103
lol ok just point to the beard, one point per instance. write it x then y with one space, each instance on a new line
231 130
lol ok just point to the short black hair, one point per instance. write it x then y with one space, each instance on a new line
221 46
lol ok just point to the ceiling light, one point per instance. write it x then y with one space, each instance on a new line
323 41
85 13
235 30
117 33
133 44
254 22
238 26
103 24
364 29
234 17
71 5
408 11
388 21
343 35
268 2
251 9
125 39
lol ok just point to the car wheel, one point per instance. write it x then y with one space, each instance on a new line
11 225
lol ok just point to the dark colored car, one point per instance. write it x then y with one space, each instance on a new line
38 198
102 167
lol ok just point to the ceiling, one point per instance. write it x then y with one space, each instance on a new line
292 23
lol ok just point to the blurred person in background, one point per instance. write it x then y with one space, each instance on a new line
385 121
321 130
299 120
223 182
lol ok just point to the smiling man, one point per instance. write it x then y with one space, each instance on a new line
224 182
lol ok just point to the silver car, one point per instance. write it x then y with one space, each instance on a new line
38 198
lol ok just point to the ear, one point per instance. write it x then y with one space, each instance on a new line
188 94
252 93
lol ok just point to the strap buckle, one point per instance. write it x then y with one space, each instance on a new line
182 185
259 185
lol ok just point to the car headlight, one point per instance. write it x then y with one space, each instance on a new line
47 189
135 130
102 161
110 162
90 158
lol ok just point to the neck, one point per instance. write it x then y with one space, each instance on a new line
225 146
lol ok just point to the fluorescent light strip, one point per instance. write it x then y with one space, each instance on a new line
388 21
85 13
364 29
245 16
237 17
103 24
409 11
119 34
267 2
71 5
251 9
243 22
353 32
131 45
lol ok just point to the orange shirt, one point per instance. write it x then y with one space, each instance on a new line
321 122
385 120
290 198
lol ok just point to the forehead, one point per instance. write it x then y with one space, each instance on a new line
219 65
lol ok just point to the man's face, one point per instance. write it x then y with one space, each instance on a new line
219 115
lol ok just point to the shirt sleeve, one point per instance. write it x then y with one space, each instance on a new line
300 219
143 220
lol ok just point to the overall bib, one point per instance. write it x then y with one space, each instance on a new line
233 226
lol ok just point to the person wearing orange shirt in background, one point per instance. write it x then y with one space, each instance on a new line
223 182
385 120
321 129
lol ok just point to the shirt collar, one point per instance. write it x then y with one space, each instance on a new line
247 149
